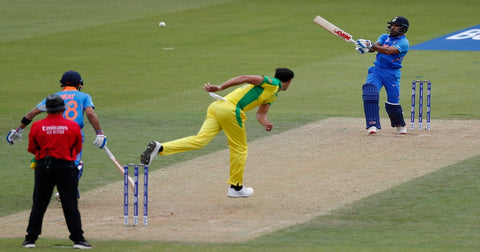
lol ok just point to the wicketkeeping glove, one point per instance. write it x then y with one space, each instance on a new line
13 135
101 140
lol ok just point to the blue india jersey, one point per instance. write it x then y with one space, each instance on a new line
76 102
393 61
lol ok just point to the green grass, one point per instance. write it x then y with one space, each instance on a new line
436 211
144 92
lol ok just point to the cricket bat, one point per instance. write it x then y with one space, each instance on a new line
333 29
131 182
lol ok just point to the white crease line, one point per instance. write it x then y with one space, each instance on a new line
8 220
268 227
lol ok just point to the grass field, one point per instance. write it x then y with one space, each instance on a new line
146 82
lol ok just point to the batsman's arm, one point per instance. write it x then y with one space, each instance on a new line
93 118
29 117
262 116
384 50
16 134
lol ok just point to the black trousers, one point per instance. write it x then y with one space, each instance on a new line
51 172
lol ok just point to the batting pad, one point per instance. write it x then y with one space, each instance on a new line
395 113
370 105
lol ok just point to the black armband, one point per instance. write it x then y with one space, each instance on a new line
26 121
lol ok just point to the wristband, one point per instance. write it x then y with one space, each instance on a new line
26 121
99 132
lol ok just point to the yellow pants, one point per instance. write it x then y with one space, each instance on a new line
220 115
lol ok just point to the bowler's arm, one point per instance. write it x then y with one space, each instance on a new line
262 116
250 79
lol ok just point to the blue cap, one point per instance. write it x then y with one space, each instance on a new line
71 78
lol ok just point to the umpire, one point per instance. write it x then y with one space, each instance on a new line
55 142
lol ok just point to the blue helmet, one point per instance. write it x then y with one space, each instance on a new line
399 21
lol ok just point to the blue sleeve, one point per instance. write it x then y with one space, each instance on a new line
381 39
88 102
41 106
402 46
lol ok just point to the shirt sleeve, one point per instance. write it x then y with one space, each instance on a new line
41 106
402 46
32 144
88 101
381 39
78 143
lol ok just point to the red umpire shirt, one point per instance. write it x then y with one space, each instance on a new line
55 136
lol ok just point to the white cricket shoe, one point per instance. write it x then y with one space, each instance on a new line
57 197
372 130
150 153
244 193
401 130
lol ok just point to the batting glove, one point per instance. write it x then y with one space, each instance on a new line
101 140
363 43
13 135
361 50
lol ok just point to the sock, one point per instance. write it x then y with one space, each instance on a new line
237 187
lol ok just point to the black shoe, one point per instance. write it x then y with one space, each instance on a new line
82 245
28 244
153 148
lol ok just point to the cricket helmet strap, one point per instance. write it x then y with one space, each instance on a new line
71 78
400 21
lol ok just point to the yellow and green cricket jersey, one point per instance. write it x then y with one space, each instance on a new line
250 96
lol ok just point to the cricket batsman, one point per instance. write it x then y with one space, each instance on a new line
77 103
391 49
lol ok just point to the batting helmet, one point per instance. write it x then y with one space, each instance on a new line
399 21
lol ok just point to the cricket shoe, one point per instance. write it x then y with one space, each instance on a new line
150 153
82 245
57 197
242 193
372 130
402 130
28 244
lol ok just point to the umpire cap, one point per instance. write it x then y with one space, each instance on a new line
54 103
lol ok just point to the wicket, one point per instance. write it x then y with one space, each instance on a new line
135 194
420 103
